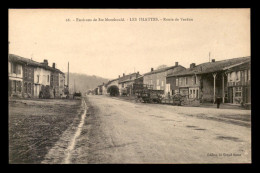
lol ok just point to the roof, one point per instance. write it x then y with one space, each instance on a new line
210 67
109 82
128 77
127 80
161 70
22 60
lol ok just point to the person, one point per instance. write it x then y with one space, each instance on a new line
218 101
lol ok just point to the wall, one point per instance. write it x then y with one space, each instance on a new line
28 81
15 82
54 84
61 83
43 76
43 79
158 80
18 73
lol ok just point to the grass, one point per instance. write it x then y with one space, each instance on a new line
35 126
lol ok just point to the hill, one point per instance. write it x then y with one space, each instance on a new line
84 82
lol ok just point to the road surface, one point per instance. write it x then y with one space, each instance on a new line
117 131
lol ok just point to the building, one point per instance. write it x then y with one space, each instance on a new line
110 83
205 81
104 89
125 83
239 83
15 76
157 78
41 79
99 90
28 78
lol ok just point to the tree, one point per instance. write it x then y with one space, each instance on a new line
161 66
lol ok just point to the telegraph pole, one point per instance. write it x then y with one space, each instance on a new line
68 80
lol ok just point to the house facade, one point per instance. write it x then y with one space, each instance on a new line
41 80
28 78
110 83
239 83
157 78
15 76
125 83
28 81
205 81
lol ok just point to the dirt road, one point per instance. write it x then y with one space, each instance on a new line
117 131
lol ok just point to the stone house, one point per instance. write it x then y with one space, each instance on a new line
205 81
157 78
15 76
239 83
34 77
125 83
110 83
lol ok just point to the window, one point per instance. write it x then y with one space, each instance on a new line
13 68
13 85
238 75
186 81
162 83
122 85
18 69
48 78
238 91
180 81
177 82
158 82
195 79
19 86
38 78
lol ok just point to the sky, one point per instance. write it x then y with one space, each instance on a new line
111 48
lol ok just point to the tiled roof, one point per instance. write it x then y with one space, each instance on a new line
161 70
128 77
210 67
30 62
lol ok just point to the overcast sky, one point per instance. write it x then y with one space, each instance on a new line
109 49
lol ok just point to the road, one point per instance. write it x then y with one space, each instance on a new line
117 131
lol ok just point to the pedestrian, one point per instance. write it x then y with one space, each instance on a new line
218 101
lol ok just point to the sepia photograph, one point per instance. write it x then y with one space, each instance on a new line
129 86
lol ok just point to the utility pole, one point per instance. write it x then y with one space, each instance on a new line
68 80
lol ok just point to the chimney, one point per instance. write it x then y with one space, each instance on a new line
176 63
213 60
137 74
123 74
192 65
118 76
45 62
151 69
53 65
